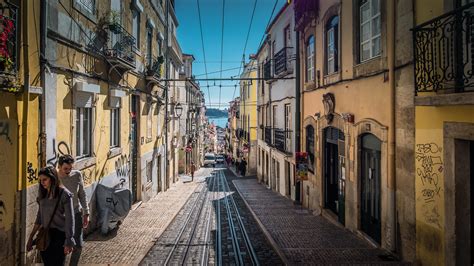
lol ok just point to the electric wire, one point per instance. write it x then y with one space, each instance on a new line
203 50
222 46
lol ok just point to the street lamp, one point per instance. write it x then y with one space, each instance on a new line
178 110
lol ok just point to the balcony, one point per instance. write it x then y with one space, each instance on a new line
120 46
8 48
444 53
282 140
154 69
267 70
268 136
305 11
282 64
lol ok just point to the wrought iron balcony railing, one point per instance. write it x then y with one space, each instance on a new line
120 47
8 46
444 52
267 70
305 11
282 61
268 135
153 69
282 140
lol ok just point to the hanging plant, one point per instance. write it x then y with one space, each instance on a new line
7 29
113 20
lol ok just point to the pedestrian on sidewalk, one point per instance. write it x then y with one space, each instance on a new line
193 169
55 215
243 167
73 181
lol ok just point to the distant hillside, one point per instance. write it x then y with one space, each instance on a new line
212 112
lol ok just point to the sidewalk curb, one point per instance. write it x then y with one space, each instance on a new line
138 261
267 234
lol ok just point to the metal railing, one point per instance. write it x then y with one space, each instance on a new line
120 45
305 11
268 135
89 5
267 70
282 140
281 61
153 68
444 52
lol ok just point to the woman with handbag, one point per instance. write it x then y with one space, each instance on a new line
54 220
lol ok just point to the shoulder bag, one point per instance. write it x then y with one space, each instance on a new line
42 238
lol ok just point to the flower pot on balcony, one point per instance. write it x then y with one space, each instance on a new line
115 28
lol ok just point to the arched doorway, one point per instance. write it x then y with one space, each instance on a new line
370 186
334 178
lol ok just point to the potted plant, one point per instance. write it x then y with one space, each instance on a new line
7 28
114 22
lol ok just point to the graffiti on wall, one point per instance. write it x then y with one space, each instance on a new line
87 175
122 166
429 169
5 131
61 149
31 173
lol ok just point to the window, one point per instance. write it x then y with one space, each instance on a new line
136 26
149 169
149 38
149 120
83 132
114 127
332 46
88 5
287 127
287 36
159 45
369 31
310 147
310 59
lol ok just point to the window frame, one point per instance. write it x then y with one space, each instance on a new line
149 45
372 37
310 58
310 143
80 131
332 26
114 128
136 19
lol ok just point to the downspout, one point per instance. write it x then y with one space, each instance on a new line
43 60
24 131
167 75
298 109
392 184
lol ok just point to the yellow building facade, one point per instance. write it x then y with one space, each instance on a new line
444 144
248 117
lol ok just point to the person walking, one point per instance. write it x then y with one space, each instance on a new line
55 216
243 167
73 181
193 169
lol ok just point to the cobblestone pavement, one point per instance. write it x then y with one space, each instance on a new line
224 238
140 229
302 238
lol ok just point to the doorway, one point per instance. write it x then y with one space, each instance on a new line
160 182
370 217
135 108
334 179
288 179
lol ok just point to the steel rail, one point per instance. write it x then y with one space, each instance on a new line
218 225
248 243
194 226
205 253
233 232
175 245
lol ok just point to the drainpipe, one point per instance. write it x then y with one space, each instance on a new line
298 109
24 131
43 5
167 75
392 184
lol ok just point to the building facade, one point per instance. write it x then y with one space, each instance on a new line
356 101
247 129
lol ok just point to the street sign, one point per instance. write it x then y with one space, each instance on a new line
189 148
301 165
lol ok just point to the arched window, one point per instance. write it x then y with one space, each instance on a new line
310 59
310 147
332 45
369 29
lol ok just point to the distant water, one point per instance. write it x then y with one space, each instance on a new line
219 121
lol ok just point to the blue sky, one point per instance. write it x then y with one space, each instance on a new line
237 15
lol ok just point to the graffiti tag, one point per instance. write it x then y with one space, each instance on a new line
5 131
2 209
122 166
61 149
111 201
87 176
31 173
429 169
